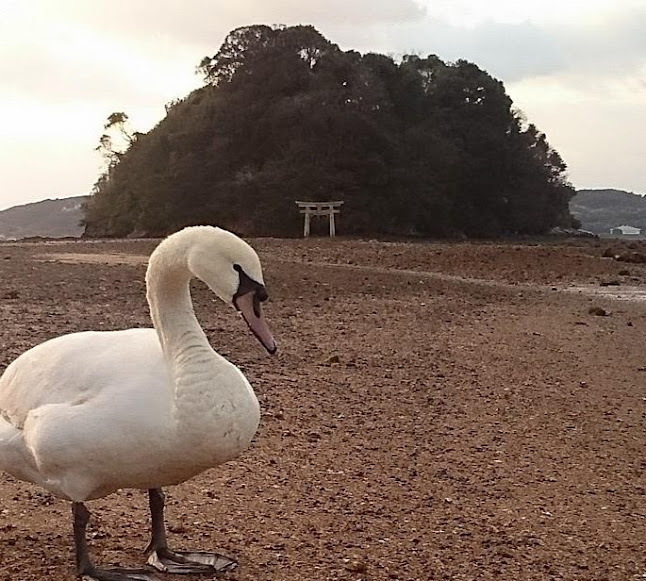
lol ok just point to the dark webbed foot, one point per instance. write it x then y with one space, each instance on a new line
117 574
185 563
85 568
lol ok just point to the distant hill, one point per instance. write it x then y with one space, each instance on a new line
601 210
48 218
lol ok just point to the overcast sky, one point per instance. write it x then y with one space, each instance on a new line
576 68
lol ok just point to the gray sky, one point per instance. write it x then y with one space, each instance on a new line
576 68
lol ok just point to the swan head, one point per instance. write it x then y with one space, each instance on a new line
231 269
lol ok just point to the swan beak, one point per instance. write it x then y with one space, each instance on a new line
249 305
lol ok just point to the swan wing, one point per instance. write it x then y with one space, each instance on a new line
70 406
81 367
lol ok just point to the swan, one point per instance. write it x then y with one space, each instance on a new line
86 414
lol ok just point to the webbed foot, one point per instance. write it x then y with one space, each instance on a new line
85 568
184 563
117 574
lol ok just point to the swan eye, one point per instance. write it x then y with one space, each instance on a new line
248 285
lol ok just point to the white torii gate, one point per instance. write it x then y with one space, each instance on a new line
328 209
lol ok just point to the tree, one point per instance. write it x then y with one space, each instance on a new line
240 47
117 139
419 147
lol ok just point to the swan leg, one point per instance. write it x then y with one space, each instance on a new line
85 568
167 561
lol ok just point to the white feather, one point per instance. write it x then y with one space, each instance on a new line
88 413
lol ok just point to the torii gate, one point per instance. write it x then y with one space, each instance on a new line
319 209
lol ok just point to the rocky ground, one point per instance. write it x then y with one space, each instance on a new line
436 411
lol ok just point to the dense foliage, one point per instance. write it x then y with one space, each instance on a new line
418 147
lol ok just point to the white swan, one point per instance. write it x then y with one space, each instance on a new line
86 414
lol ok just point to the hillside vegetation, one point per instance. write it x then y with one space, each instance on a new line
601 210
47 218
414 147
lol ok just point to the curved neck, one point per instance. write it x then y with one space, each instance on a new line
212 409
171 310
191 360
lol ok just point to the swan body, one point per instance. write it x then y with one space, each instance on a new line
85 414
84 437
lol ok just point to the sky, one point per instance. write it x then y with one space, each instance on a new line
575 68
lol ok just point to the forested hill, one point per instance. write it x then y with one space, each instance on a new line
601 210
418 146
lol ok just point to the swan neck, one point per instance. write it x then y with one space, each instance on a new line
171 310
210 395
186 349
